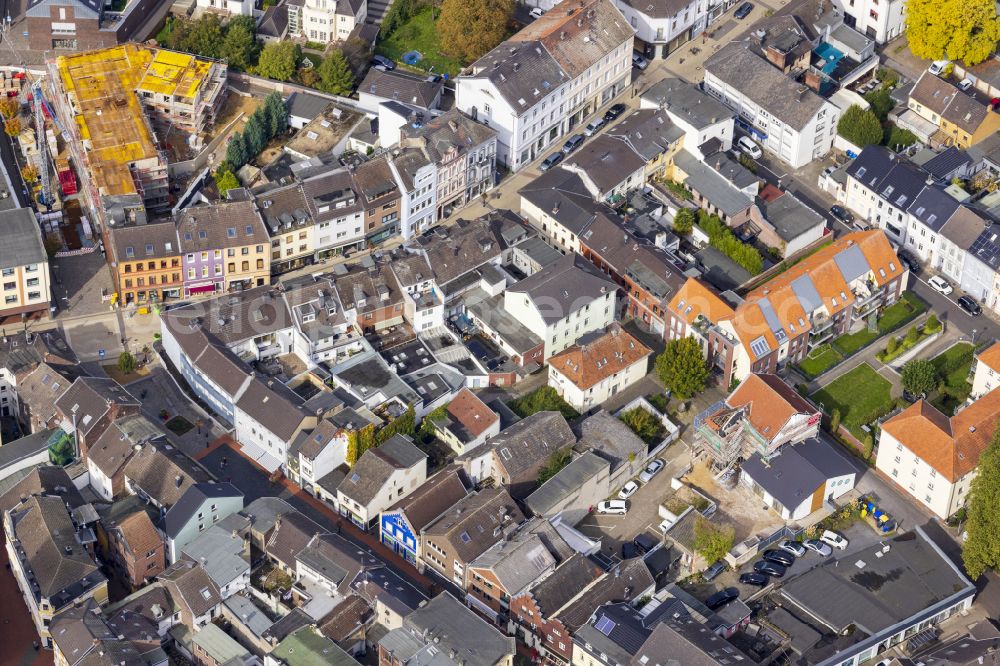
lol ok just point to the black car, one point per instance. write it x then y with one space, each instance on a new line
383 63
909 262
841 214
629 550
722 597
779 556
755 579
552 160
614 112
645 543
744 10
769 568
970 306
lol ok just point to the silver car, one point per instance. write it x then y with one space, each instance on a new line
819 547
652 469
793 548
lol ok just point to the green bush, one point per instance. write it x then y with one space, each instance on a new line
722 238
859 126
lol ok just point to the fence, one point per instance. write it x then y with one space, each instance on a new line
286 89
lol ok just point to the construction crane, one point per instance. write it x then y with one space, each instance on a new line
42 109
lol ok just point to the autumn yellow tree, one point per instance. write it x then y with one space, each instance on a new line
966 30
12 126
467 29
30 173
9 107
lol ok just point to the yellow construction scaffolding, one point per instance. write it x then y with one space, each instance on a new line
104 86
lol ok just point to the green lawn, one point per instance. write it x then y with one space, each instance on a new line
851 342
819 360
543 398
909 307
418 34
861 396
953 365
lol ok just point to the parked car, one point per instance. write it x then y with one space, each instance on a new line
613 507
818 546
743 10
645 542
665 525
652 469
909 261
750 147
573 143
938 66
940 285
612 114
965 84
755 579
639 61
833 539
594 127
769 568
713 571
841 214
629 550
861 225
628 490
793 547
536 13
970 306
383 63
722 597
552 160
779 556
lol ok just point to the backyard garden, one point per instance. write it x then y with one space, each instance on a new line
856 399
953 366
825 356
417 34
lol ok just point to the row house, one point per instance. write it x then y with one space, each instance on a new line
423 302
107 457
463 153
786 117
380 477
400 525
831 292
663 27
322 451
415 177
24 263
547 79
959 118
90 405
648 275
146 261
380 194
225 247
707 124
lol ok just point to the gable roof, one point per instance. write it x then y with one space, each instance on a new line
115 445
377 465
274 406
221 225
401 87
432 498
562 288
453 626
525 445
793 474
163 472
22 239
554 591
476 522
90 398
950 446
696 299
991 356
191 587
470 417
769 402
139 532
180 514
594 359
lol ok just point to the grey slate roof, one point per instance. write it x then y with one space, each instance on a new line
562 195
797 470
565 483
304 105
790 217
554 591
252 617
946 162
25 447
649 132
564 287
114 447
632 579
432 498
190 586
912 576
610 438
401 87
522 447
274 406
44 480
476 516
93 397
221 225
607 161
933 206
191 501
736 65
221 553
451 130
712 185
145 241
22 239
964 227
376 466
451 625
622 635
163 474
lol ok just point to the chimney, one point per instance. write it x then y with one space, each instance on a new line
177 480
453 125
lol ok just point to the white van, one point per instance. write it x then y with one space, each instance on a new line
748 146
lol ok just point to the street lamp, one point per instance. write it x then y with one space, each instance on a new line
973 336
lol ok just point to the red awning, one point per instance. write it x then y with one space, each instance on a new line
203 289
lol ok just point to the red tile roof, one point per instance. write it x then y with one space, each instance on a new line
588 364
471 412
770 402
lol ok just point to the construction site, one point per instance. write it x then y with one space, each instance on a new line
119 105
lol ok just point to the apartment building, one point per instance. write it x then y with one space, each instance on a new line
415 175
225 247
784 116
699 115
934 457
546 80
829 293
325 20
962 119
987 372
597 367
147 263
24 265
663 27
382 200
380 477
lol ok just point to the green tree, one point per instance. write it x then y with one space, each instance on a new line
712 541
277 114
881 103
399 13
236 151
891 345
912 336
225 179
404 424
643 424
932 325
966 30
177 37
684 221
239 47
335 75
204 36
542 399
278 60
556 462
919 376
127 363
835 420
467 29
981 550
860 127
254 134
682 368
